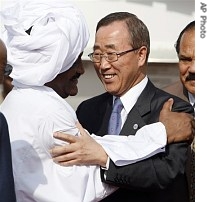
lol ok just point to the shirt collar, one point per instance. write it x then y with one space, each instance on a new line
191 98
130 97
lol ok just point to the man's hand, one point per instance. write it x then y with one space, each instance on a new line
82 150
179 126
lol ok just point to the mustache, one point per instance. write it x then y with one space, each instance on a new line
190 77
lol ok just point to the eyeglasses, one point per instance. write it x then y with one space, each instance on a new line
109 57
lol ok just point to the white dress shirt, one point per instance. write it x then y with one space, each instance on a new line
130 98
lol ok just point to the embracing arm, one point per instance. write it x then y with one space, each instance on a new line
160 170
153 173
85 150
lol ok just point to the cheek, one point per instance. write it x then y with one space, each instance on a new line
1 73
97 68
127 78
183 69
131 71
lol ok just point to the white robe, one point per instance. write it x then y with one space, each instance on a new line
33 115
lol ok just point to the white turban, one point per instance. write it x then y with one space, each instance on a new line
58 35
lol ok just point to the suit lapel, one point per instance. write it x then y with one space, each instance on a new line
105 112
137 117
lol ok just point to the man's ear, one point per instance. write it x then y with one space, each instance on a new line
142 54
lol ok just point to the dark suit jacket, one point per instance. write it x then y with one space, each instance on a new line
7 192
179 90
159 178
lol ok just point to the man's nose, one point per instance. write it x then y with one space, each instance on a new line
192 67
81 69
104 64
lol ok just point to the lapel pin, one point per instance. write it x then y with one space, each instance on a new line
135 126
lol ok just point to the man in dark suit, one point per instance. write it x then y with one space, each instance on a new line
185 48
123 74
120 55
7 192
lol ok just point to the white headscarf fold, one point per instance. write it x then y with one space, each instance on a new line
59 34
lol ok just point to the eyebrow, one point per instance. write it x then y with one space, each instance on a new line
184 56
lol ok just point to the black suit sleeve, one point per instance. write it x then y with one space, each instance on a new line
155 173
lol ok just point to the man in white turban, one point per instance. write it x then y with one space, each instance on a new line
45 42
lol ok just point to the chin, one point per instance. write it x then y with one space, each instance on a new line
73 93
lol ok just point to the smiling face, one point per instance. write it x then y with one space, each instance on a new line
65 84
187 60
119 76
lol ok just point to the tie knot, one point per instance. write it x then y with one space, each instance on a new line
118 106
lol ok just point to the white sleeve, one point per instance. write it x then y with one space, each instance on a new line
123 150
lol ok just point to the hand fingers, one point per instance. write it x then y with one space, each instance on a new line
68 163
64 158
60 150
193 129
65 137
168 105
68 159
